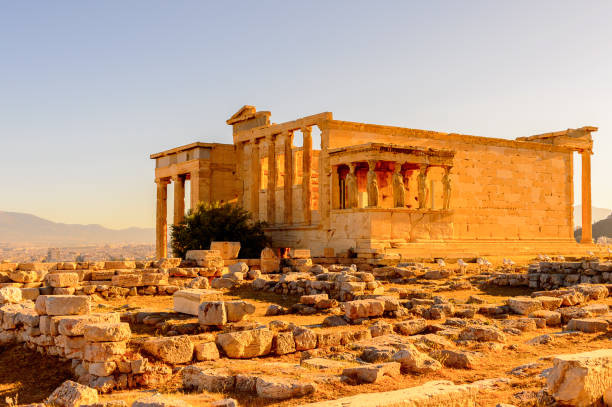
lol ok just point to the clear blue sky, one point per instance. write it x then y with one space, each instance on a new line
89 89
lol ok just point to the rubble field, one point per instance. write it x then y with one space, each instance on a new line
302 331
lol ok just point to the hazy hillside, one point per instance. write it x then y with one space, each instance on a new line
597 214
601 228
29 229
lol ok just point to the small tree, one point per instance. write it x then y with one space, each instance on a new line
218 222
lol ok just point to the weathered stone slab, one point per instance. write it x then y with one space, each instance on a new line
58 280
580 379
75 325
188 300
202 378
589 325
238 310
372 373
279 388
103 351
127 280
431 394
10 295
524 305
364 308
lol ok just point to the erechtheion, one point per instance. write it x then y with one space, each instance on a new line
381 190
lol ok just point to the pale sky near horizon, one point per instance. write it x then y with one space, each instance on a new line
89 89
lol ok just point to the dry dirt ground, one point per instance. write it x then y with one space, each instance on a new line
32 378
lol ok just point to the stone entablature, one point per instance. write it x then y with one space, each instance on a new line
445 187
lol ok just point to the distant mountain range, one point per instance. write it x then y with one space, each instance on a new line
26 229
600 228
597 214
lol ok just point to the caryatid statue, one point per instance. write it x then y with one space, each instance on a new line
351 187
398 187
446 183
422 179
372 185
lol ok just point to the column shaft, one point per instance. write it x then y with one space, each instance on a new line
255 179
306 174
288 181
161 225
240 173
587 228
271 192
179 198
200 186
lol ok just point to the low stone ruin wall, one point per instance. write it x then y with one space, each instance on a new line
338 282
551 275
108 279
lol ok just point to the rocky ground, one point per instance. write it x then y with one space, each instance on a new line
424 333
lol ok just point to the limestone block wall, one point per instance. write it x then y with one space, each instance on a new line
500 189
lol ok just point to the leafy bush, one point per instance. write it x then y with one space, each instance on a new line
218 222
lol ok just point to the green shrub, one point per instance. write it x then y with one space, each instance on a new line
218 222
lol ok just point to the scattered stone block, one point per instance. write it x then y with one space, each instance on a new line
372 373
410 327
364 308
221 282
552 318
246 344
277 388
173 350
102 369
482 334
72 394
305 339
205 351
127 280
75 325
238 310
580 379
414 361
524 305
212 313
589 325
202 378
227 250
188 300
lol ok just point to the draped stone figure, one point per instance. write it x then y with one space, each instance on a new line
372 185
398 187
446 182
351 187
422 179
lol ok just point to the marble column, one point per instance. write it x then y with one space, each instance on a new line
255 178
372 185
288 180
306 174
161 224
271 191
179 198
587 227
422 180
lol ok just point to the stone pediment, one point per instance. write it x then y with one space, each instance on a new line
246 112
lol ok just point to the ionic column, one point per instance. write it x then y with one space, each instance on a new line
446 183
255 179
422 179
372 185
352 201
161 225
271 192
306 174
179 198
587 227
289 177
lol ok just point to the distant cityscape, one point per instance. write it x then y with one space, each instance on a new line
108 252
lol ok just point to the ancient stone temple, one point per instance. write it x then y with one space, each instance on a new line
377 190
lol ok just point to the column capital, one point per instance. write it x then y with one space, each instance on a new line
178 178
162 181
306 130
372 164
